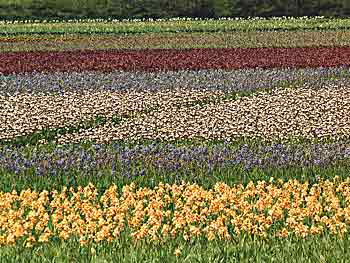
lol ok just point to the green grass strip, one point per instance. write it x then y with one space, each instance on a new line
327 248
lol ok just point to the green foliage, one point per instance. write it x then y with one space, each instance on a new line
41 9
325 248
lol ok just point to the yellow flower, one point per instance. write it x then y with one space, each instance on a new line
177 252
283 233
83 241
64 235
195 231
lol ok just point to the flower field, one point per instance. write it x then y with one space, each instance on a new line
168 59
175 140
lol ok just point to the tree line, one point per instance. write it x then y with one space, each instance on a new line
129 9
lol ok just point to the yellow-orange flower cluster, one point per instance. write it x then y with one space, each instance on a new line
169 211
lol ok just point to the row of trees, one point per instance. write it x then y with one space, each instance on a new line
20 9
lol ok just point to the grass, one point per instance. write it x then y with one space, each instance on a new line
327 248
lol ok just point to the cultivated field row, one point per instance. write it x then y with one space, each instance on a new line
252 39
175 26
168 59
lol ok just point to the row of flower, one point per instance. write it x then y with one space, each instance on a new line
180 25
134 161
184 211
91 20
241 81
174 40
156 60
23 114
281 114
